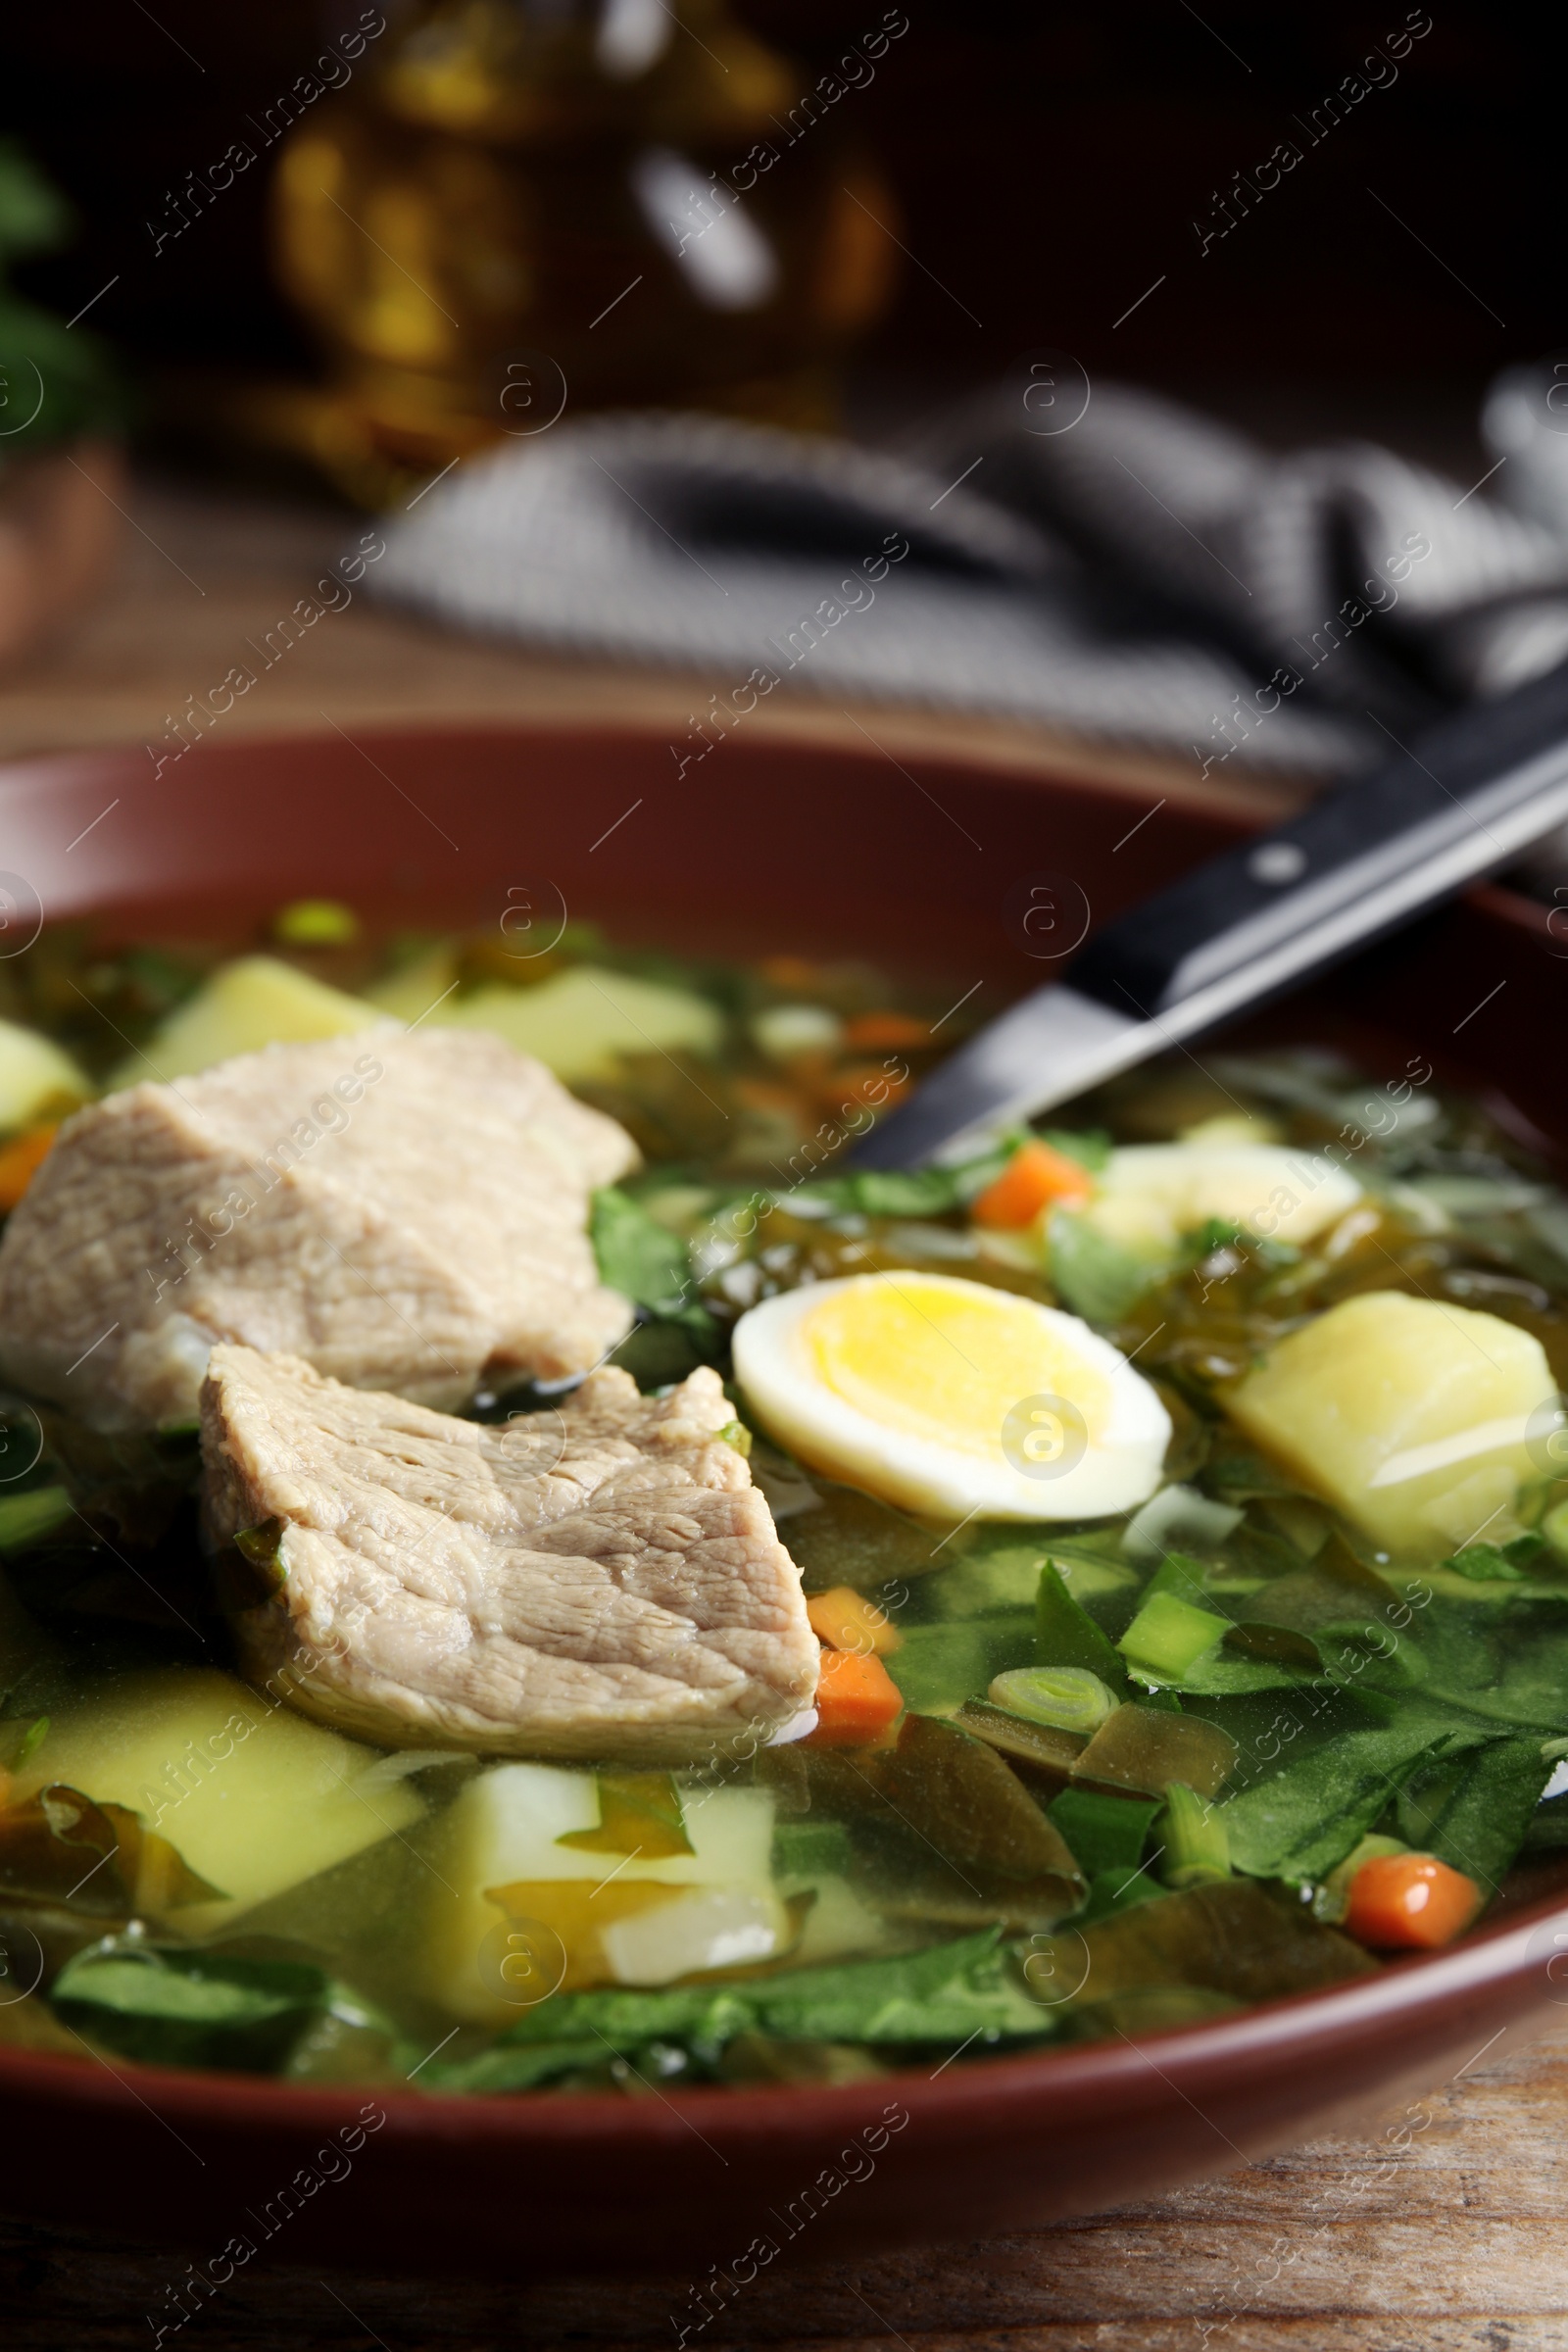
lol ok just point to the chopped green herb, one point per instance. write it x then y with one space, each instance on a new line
1114 1891
922 1192
1490 1563
1065 1635
1097 1278
170 2006
1298 1821
1473 1813
1104 1833
947 1994
1215 1233
1091 1147
640 1258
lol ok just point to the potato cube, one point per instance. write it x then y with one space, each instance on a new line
37 1076
582 1023
1151 1194
253 1797
256 1001
501 1839
1409 1415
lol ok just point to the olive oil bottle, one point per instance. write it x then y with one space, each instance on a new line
524 206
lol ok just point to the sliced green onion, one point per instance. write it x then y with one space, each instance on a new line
1198 1850
1068 1698
27 1518
1167 1635
315 923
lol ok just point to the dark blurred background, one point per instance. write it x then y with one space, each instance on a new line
479 218
1049 165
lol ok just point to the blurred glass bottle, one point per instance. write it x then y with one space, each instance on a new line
640 193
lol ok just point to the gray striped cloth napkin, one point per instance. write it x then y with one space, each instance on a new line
1138 574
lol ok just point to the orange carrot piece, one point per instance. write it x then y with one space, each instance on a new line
792 972
770 1093
1409 1902
857 1700
1036 1175
885 1031
859 1085
19 1162
844 1620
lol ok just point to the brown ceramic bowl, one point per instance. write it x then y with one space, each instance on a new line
762 846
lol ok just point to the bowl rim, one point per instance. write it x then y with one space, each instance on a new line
1501 1953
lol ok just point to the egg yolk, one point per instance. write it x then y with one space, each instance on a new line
942 1364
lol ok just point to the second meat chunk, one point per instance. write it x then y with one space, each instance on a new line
405 1211
599 1582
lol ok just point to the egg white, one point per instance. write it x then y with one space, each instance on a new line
1119 1468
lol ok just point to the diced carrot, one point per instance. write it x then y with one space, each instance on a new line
19 1162
1409 1902
769 1093
792 972
867 1084
857 1700
885 1031
844 1620
1036 1175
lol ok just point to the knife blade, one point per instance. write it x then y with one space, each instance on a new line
1467 797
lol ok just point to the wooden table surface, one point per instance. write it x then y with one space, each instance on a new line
1437 2230
201 579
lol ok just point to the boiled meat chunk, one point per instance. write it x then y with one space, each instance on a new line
406 1211
603 1580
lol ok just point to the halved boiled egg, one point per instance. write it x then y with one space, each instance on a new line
951 1398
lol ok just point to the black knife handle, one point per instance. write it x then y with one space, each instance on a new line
1461 801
